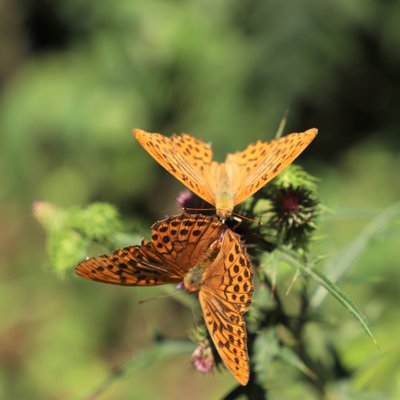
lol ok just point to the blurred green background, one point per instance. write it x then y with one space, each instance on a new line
76 77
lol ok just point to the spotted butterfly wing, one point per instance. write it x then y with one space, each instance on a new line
185 157
262 161
176 243
209 259
225 294
227 184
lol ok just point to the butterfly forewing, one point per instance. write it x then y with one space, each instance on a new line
228 184
133 265
183 156
185 238
262 161
164 259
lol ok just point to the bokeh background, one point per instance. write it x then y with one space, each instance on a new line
77 76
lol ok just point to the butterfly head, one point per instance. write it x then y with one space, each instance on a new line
223 214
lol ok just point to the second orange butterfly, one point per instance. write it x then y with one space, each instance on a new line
226 184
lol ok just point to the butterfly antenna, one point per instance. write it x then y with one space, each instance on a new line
197 209
240 217
161 296
282 125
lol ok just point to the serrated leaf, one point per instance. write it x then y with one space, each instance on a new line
71 231
65 248
99 221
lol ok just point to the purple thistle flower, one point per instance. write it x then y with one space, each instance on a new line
193 204
202 358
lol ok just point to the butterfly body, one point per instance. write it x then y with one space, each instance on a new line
220 187
224 185
224 204
194 278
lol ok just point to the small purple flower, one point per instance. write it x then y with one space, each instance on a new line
202 358
185 199
193 204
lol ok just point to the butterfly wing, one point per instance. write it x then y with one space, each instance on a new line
227 329
183 156
249 170
174 245
225 295
132 266
184 238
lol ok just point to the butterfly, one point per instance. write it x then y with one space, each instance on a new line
224 185
209 259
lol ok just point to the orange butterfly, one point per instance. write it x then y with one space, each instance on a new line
227 184
200 252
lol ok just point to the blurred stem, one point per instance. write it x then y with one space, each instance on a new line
252 391
282 125
319 374
295 325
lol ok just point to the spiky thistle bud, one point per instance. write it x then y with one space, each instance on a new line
293 207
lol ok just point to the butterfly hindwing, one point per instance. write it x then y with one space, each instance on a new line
225 295
227 329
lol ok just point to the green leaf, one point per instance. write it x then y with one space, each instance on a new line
266 347
66 248
71 231
334 290
337 268
291 358
98 221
